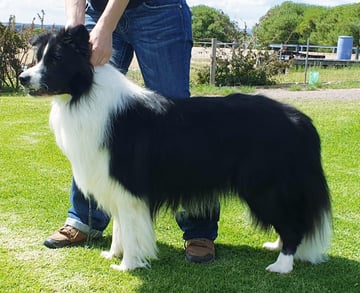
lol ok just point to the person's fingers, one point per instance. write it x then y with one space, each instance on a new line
99 58
101 47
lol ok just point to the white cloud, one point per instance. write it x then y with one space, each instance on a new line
241 11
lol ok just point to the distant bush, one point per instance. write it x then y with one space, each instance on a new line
13 52
16 52
244 67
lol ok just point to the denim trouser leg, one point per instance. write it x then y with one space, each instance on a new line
78 214
159 32
199 227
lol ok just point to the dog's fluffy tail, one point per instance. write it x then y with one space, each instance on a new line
314 246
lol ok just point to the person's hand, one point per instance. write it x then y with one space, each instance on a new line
101 46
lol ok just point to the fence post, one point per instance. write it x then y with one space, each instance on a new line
213 61
306 59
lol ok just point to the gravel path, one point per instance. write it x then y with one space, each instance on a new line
345 94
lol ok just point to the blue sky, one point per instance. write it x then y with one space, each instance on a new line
241 11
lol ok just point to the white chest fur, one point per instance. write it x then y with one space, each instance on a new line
79 132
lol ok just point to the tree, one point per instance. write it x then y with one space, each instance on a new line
310 21
355 32
210 23
279 25
294 23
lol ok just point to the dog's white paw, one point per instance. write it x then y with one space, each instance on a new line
276 268
119 267
126 266
283 265
273 246
107 254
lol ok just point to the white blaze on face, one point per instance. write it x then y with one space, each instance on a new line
36 72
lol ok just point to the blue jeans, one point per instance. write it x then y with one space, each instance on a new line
159 33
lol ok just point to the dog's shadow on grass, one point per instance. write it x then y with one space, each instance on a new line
240 268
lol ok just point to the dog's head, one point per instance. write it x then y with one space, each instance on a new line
63 64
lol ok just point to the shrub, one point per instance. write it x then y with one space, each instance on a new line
244 67
13 52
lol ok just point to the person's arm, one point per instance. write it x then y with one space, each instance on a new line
111 14
75 12
101 34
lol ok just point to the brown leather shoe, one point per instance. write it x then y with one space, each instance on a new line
200 250
66 236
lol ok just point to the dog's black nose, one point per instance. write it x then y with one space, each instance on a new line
24 79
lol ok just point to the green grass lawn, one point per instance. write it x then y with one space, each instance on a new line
329 78
332 77
34 188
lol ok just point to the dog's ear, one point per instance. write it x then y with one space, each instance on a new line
40 39
39 42
78 38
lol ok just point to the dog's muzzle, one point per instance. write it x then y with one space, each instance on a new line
24 79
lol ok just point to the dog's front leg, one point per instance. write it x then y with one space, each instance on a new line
116 248
137 234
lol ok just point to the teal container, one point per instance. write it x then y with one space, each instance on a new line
344 47
313 77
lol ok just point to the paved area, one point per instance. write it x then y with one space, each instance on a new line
346 94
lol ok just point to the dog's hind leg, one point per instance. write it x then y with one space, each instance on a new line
290 241
283 264
313 247
274 246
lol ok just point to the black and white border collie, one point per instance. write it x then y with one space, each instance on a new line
136 151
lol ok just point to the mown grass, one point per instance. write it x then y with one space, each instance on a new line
332 77
294 79
34 188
